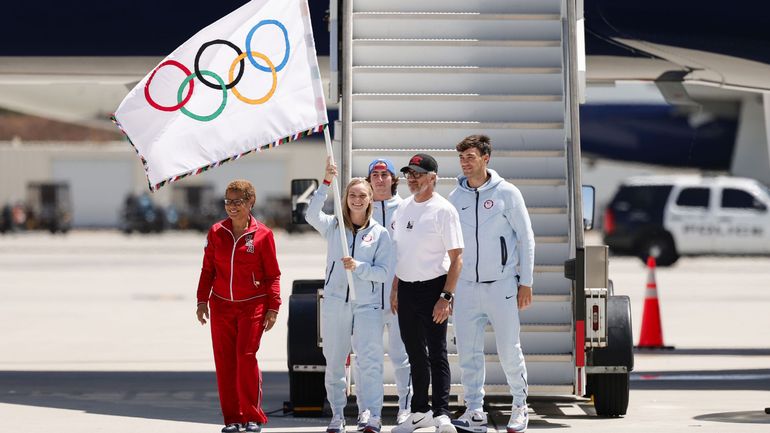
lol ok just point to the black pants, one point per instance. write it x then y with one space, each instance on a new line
425 343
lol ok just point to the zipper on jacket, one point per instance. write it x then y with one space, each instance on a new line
382 292
352 255
383 215
232 258
503 251
329 278
477 236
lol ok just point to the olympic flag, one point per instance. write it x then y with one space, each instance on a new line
249 81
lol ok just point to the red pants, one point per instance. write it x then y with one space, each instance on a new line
236 331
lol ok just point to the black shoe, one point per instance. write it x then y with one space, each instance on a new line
231 428
253 427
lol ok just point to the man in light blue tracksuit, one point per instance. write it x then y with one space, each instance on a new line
382 177
495 283
348 322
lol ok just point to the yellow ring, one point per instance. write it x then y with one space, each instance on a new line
269 94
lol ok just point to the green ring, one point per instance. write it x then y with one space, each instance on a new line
219 110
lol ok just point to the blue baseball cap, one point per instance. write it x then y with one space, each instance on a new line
382 164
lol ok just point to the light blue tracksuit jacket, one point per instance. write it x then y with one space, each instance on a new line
499 247
492 250
348 323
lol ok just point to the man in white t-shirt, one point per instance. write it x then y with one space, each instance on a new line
429 247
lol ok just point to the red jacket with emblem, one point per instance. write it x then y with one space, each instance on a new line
240 269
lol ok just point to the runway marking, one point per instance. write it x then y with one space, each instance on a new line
683 377
570 409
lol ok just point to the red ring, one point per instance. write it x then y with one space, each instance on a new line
149 80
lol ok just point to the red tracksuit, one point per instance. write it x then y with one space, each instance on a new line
241 281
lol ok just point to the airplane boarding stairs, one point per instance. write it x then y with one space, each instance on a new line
422 75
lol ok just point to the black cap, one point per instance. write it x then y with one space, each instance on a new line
421 163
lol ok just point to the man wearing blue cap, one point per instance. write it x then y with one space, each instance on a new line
382 177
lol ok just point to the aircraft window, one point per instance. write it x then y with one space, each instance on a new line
694 197
739 199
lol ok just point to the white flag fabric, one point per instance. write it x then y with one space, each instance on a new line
247 82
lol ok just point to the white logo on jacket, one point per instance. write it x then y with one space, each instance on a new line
250 244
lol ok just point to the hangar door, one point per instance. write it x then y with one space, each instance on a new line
98 189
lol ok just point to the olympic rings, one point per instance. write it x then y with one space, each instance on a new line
232 78
198 58
218 111
149 80
272 69
285 38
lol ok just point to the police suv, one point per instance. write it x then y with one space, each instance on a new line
671 216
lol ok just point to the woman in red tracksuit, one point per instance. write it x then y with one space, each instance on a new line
240 283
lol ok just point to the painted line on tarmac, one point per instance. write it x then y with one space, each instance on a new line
690 377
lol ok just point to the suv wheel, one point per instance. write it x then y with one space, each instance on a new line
660 246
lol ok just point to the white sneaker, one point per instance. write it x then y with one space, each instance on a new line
363 419
444 425
414 421
474 421
374 425
403 414
336 425
519 419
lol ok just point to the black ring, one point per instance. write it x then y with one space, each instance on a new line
216 86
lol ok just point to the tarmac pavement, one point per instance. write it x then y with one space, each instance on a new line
98 333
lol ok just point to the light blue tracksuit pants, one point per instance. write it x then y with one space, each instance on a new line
475 305
398 358
345 325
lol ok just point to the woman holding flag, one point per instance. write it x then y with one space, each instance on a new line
240 282
352 316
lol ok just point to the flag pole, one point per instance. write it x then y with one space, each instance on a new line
338 212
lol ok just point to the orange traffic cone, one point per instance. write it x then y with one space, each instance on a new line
652 331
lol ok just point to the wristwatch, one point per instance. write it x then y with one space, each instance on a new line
447 296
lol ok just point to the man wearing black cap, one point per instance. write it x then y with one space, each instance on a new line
429 247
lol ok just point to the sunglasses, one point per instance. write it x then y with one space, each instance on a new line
411 174
235 202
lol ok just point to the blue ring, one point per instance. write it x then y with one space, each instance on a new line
285 38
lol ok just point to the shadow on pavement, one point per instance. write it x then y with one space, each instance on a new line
734 380
175 396
705 352
747 417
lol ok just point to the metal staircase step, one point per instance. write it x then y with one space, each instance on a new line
453 43
452 97
478 125
494 357
452 70
479 6
446 135
442 25
496 389
458 79
357 16
457 52
456 107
